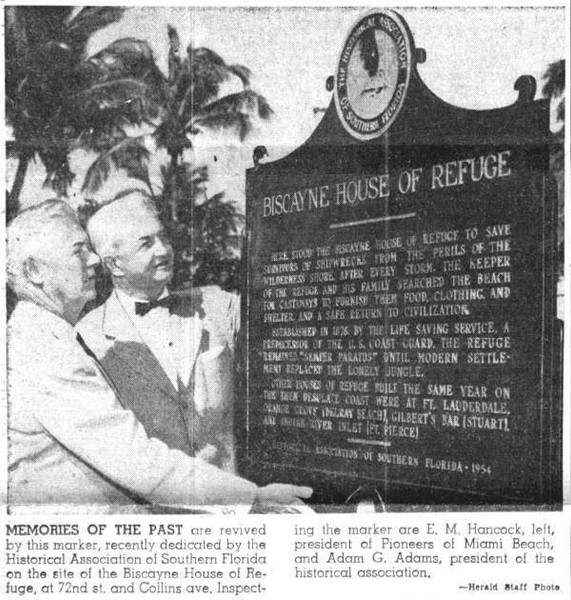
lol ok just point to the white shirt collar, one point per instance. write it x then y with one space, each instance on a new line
128 302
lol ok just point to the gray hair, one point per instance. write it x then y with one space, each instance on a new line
26 236
104 226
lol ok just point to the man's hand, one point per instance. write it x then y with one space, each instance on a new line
283 493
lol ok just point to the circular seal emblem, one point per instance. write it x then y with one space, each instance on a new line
373 74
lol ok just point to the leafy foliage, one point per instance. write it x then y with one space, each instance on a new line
554 86
58 98
205 233
190 99
129 154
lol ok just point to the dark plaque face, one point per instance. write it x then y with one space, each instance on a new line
399 306
395 323
373 75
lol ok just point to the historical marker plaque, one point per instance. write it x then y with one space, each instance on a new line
399 307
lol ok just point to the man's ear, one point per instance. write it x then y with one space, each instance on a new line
33 271
113 265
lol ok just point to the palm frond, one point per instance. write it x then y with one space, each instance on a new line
240 123
240 102
196 175
192 176
127 97
90 20
126 56
233 111
264 109
59 176
202 73
130 155
43 23
205 56
104 132
16 47
214 223
53 96
554 78
129 58
246 101
243 73
170 134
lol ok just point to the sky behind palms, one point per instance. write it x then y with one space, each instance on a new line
473 58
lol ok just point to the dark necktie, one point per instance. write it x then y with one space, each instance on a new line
142 308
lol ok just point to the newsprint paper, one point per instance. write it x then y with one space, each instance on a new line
380 191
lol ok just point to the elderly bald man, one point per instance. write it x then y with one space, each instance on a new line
170 356
72 445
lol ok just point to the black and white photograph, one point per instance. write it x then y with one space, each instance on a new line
291 266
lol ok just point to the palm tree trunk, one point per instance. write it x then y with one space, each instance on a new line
13 200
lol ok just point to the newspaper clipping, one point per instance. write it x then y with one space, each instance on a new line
285 299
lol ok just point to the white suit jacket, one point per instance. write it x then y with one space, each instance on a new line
72 443
197 413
